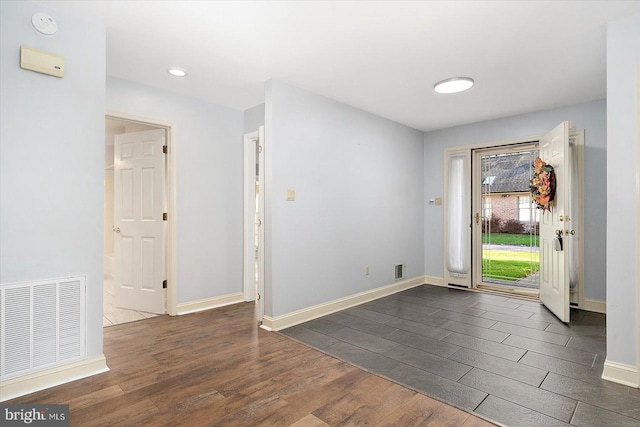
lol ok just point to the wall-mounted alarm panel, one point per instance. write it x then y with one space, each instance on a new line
41 62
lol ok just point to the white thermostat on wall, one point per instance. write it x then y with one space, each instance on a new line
44 24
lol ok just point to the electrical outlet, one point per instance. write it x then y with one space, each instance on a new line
366 270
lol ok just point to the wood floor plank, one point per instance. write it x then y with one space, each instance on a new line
372 407
94 398
309 421
362 399
413 412
447 416
217 368
125 416
477 422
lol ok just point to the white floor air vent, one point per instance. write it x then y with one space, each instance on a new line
42 324
399 270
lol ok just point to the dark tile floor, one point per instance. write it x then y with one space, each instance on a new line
506 359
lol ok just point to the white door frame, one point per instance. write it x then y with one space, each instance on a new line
578 151
250 140
638 216
250 160
171 187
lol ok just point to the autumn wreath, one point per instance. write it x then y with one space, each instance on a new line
543 185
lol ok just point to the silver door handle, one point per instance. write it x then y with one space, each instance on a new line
116 229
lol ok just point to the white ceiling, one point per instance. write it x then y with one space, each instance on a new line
382 57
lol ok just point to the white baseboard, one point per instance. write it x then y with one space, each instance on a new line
290 319
209 303
620 373
597 305
30 383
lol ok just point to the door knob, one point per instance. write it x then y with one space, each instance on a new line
116 229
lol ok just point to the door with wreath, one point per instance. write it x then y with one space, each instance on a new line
550 192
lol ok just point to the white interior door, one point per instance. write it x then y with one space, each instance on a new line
139 246
554 260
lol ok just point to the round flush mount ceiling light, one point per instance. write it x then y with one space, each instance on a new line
177 72
453 85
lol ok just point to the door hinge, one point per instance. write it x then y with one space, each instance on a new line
164 149
259 148
164 284
164 216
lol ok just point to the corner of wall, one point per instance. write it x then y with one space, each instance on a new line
621 373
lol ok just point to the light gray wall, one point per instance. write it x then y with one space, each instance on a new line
52 157
359 199
253 118
623 58
209 193
590 116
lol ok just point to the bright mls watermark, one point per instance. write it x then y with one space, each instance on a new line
35 415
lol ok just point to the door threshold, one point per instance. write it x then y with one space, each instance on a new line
533 295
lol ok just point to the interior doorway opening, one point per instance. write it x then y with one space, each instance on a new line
254 197
119 130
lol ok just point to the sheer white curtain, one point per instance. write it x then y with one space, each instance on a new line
458 233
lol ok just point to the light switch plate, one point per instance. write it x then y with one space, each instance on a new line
291 195
41 62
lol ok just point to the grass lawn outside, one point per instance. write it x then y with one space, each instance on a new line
511 239
509 265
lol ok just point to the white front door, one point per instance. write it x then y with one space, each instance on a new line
139 199
555 225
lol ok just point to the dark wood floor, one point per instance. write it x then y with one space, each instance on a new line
217 368
508 359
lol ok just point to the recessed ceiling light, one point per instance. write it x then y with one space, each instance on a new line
453 85
177 72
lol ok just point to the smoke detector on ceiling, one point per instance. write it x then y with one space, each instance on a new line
44 24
